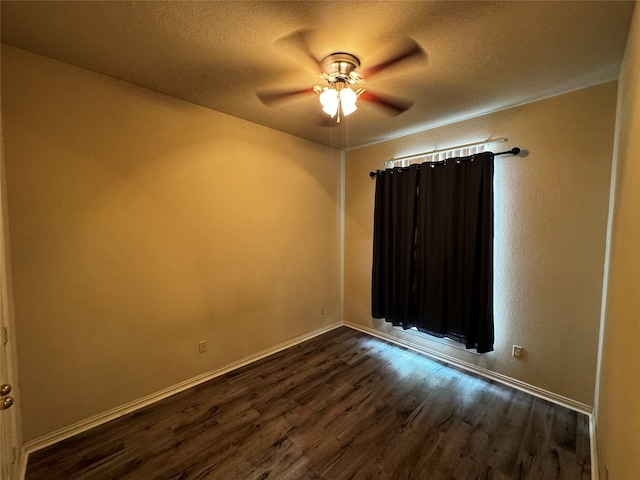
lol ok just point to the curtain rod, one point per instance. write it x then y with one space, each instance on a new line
442 150
513 151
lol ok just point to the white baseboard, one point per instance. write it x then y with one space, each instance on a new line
89 423
489 374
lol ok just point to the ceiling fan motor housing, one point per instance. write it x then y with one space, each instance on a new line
341 67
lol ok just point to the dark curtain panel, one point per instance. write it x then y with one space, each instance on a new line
394 244
433 249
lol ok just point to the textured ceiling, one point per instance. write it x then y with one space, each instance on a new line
480 56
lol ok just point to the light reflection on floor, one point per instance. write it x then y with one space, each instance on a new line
404 362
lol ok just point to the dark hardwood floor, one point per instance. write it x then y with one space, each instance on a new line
340 406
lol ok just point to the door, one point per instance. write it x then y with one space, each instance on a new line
8 412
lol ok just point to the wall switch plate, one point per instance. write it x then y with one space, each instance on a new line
202 346
517 351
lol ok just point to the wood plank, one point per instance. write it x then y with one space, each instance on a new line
343 405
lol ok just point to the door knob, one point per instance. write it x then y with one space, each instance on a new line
6 403
5 389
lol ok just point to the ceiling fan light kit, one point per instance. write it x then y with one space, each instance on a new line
340 72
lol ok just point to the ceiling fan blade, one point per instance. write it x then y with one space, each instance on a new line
393 105
299 41
409 49
271 97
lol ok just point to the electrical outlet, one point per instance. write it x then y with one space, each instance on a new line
517 351
202 346
322 310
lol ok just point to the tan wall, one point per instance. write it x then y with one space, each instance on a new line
618 404
140 225
550 222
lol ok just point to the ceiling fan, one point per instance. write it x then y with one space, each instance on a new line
344 81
